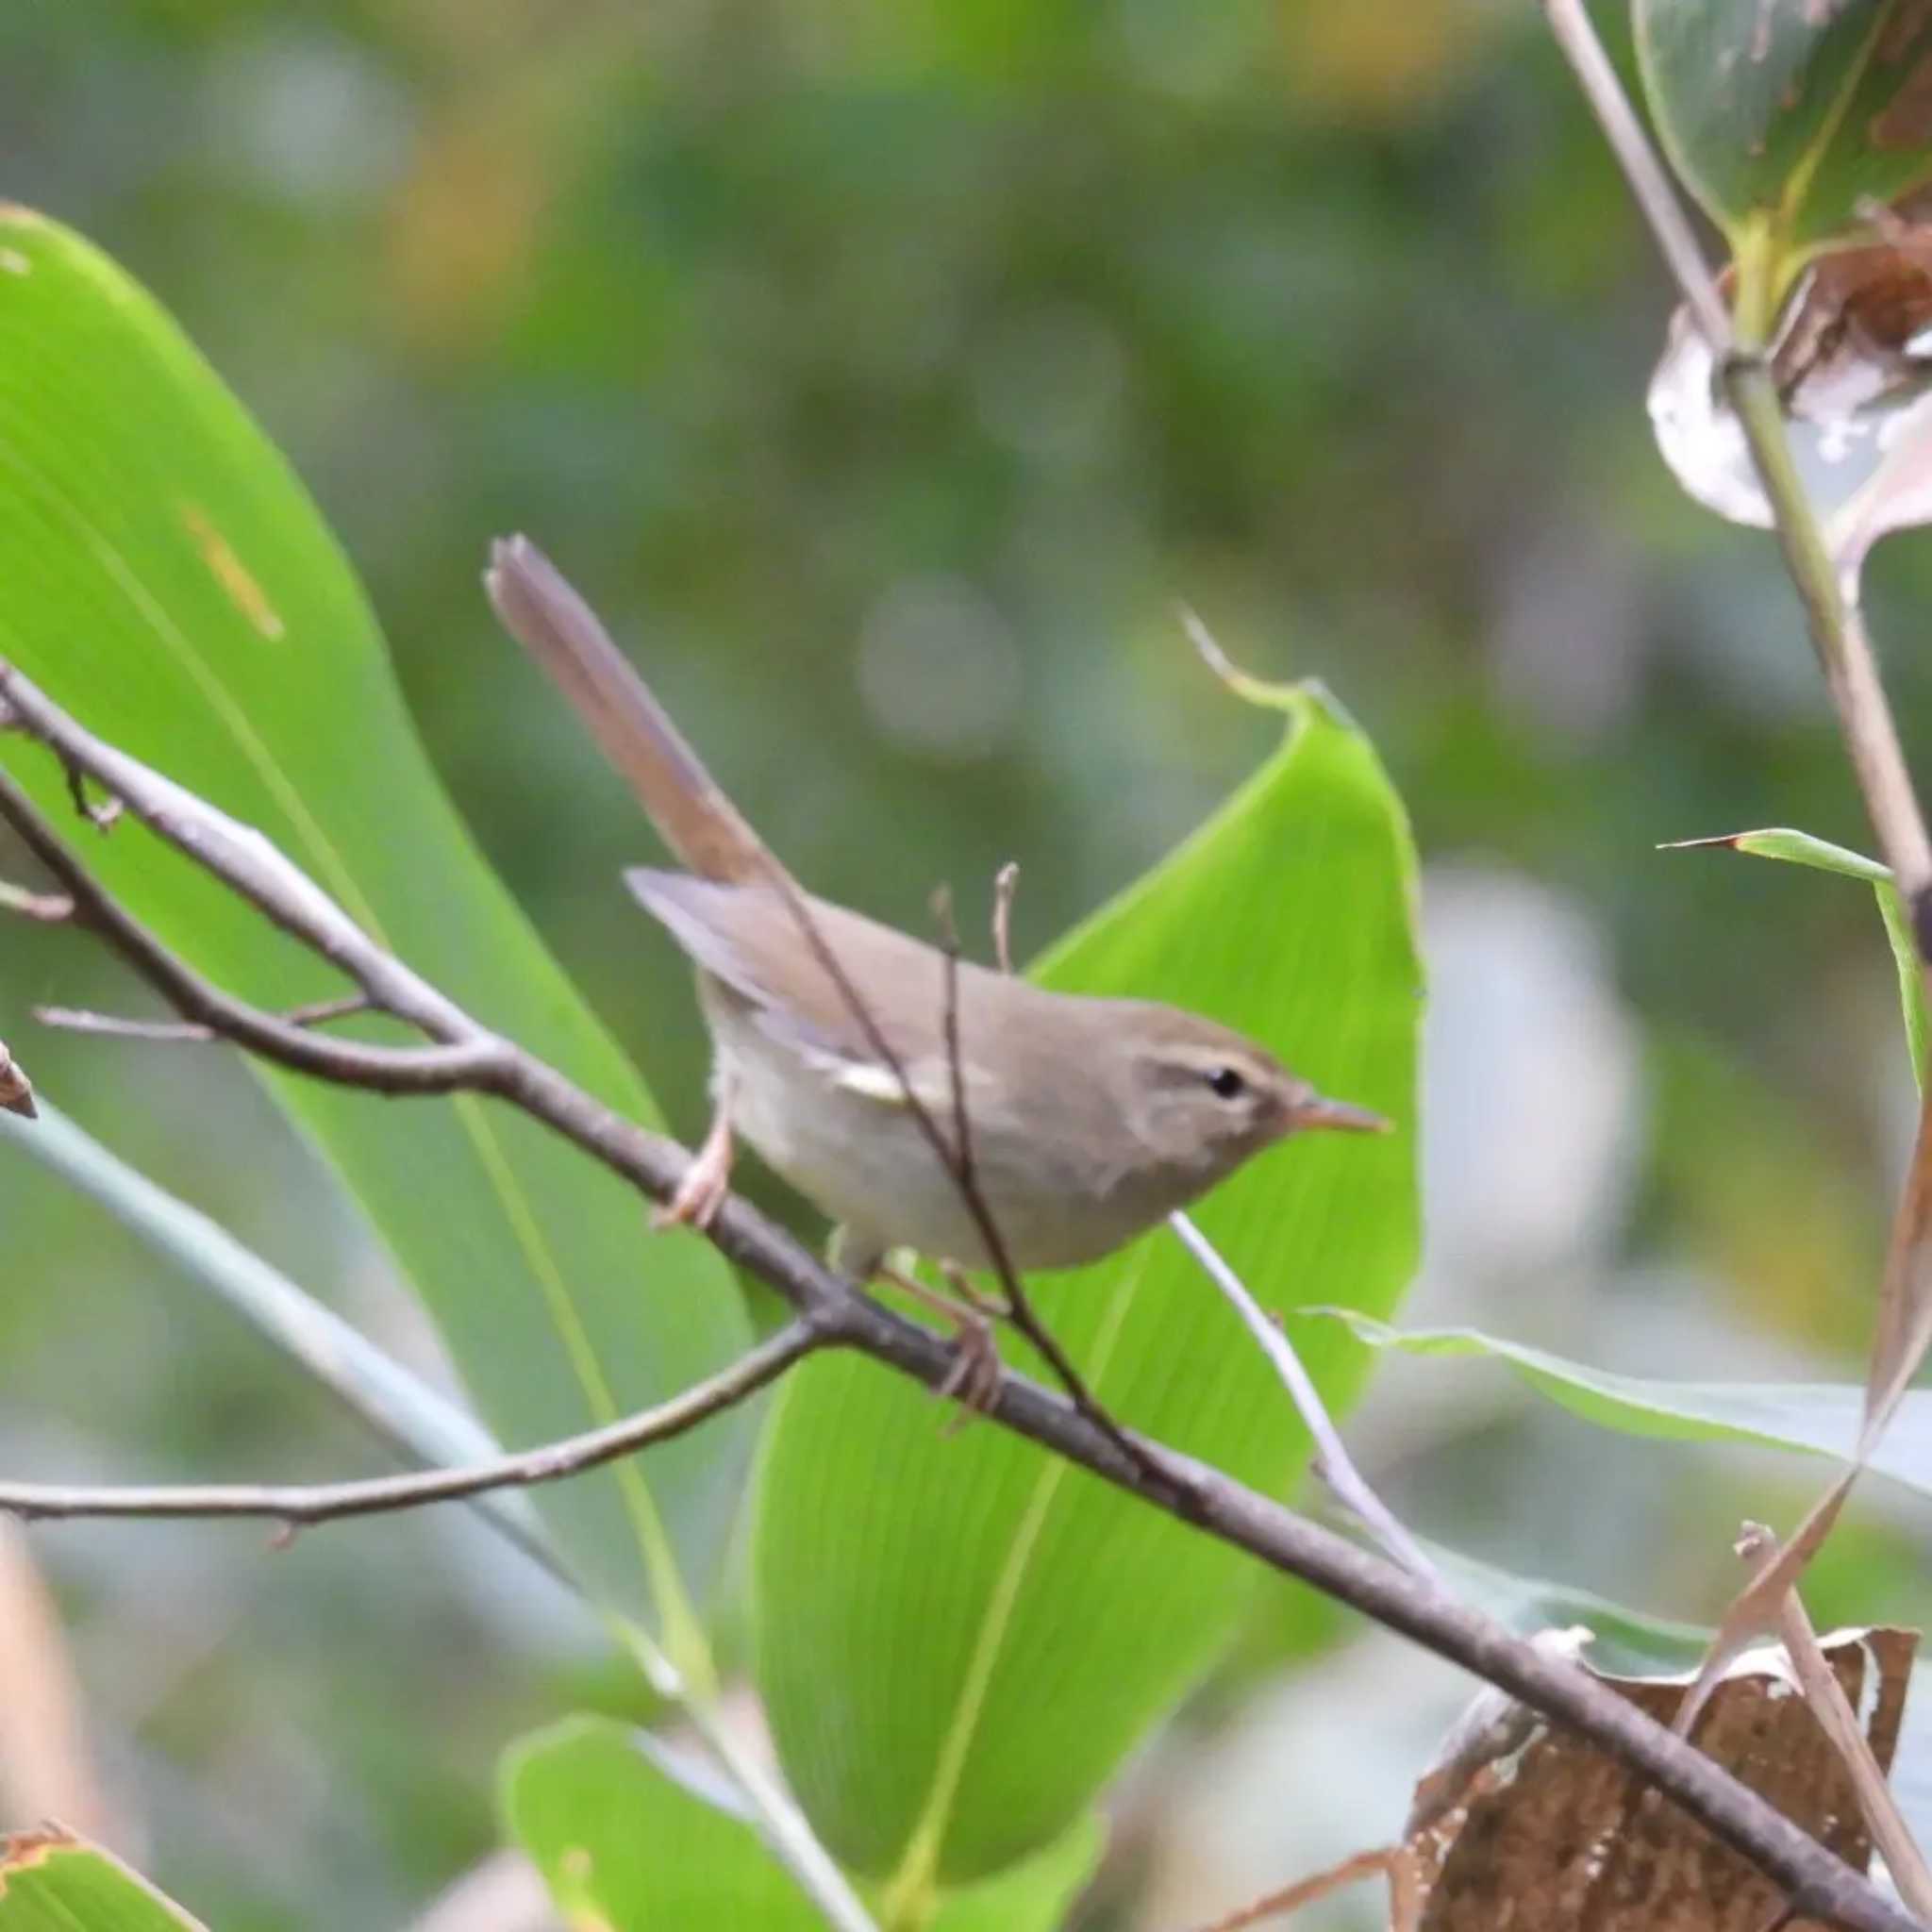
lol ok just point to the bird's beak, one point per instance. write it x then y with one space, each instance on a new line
1338 1115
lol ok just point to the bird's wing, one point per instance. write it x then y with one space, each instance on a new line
752 940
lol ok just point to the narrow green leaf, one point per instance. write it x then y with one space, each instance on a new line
169 581
1801 848
958 1639
51 1882
1818 1418
1785 113
626 1845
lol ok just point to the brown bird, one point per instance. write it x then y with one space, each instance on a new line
1089 1119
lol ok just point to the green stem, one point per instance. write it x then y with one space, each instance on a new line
1832 615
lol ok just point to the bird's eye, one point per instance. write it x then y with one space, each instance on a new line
1227 1083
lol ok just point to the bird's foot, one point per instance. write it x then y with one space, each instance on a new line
974 1378
707 1181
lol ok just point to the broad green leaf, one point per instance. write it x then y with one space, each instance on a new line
627 1847
169 582
51 1882
1801 848
958 1638
1819 1418
1785 114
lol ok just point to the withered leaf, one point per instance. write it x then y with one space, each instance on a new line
1558 1836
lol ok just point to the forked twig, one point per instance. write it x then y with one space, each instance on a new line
1006 883
1019 1308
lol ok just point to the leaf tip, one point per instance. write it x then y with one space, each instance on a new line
1298 698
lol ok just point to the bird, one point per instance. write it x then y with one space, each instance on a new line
862 1063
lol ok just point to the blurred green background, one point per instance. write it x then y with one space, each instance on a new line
888 374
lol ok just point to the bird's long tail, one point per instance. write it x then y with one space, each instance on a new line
544 612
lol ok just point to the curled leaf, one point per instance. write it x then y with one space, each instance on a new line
1852 361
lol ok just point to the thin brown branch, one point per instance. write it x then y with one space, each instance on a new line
1006 883
1820 1886
1307 1891
295 1505
965 1171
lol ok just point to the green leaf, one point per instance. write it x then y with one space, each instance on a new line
169 581
624 1843
958 1638
51 1882
1818 1418
1782 114
1801 848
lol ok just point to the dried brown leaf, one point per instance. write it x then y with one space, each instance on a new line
1559 1835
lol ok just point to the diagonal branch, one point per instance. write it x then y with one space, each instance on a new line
465 1055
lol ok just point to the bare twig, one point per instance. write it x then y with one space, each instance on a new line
1378 1863
296 1505
77 1020
1006 883
950 1158
1019 1308
1821 1887
1332 1461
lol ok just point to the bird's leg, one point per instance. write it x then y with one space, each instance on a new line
974 1377
707 1180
